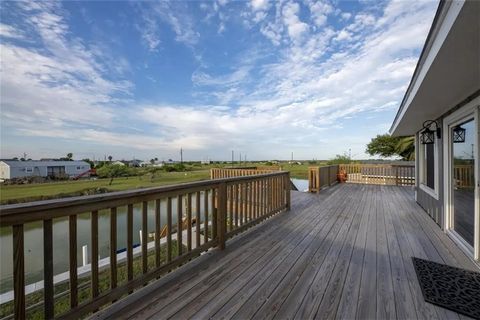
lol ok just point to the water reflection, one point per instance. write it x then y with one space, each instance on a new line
34 238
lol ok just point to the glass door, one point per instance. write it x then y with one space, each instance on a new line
463 184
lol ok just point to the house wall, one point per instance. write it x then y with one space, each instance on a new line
40 170
4 171
432 205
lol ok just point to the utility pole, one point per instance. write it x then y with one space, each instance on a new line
240 158
181 155
232 157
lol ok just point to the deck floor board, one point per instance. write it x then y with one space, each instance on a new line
345 253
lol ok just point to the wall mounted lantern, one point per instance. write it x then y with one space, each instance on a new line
458 134
427 136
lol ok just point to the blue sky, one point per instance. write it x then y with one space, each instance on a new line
144 79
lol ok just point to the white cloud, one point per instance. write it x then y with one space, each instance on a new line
295 27
306 86
343 35
174 15
62 85
259 4
346 15
10 32
319 12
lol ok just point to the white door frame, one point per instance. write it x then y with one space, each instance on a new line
471 109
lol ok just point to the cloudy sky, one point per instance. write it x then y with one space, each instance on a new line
144 79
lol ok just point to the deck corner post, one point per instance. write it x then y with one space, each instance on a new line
396 176
287 191
221 214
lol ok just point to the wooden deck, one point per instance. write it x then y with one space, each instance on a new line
345 253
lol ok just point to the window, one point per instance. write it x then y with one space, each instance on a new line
28 170
79 168
428 167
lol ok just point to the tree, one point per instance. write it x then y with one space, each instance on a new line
387 146
110 158
340 159
69 156
406 148
113 171
90 162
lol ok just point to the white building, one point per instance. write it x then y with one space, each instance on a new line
10 169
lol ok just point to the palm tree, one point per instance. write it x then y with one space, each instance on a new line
406 148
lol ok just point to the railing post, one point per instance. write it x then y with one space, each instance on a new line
287 190
319 184
396 175
221 214
310 180
329 177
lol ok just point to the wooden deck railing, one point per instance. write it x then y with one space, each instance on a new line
222 207
220 173
382 174
464 176
320 177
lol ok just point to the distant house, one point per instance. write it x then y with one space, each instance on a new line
134 163
118 163
10 169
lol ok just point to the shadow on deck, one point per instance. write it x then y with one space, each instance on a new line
345 253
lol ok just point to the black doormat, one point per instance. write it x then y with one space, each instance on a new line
449 287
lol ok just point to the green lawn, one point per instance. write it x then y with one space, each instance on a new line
33 192
61 189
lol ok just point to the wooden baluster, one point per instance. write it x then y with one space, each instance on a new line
237 203
242 202
319 181
269 200
169 229
179 226
72 233
221 214
158 224
255 197
230 210
189 222
18 272
197 219
205 220
113 248
248 189
48 300
214 213
144 236
94 241
287 189
262 196
130 242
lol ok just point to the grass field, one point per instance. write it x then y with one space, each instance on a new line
61 189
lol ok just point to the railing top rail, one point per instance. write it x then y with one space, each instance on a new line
377 165
35 211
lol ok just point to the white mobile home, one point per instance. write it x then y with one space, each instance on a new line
10 169
441 108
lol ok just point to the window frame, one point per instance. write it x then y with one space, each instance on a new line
421 168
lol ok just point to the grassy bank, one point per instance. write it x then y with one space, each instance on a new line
34 192
34 301
63 189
